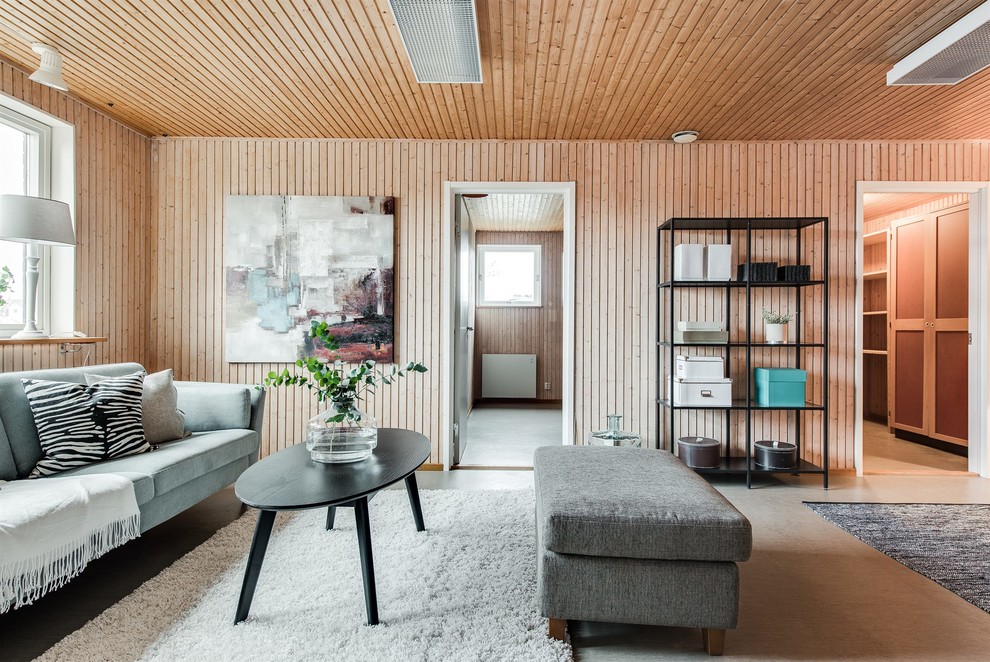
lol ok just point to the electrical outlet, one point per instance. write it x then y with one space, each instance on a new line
546 386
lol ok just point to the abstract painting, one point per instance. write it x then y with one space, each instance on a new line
292 259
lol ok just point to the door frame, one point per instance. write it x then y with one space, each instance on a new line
979 303
449 299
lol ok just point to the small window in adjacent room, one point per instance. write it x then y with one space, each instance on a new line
509 275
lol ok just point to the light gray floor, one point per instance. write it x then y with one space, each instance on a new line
882 451
810 591
507 435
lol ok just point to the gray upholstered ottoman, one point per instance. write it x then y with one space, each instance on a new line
629 535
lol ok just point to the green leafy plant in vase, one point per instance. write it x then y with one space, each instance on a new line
342 433
776 326
6 280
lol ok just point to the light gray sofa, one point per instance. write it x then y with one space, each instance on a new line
630 535
225 420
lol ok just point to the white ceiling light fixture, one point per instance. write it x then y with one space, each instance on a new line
956 53
50 71
684 137
441 39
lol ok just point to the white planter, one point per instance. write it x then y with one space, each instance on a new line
776 334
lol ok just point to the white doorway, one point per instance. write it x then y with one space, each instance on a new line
892 447
532 395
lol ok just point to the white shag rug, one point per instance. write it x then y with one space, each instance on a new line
465 589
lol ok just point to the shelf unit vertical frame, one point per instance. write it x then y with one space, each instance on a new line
749 353
669 383
799 295
825 351
726 415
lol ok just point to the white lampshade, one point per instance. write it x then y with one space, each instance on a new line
26 219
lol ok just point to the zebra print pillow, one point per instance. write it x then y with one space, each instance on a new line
79 424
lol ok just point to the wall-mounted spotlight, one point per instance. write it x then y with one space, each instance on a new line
50 71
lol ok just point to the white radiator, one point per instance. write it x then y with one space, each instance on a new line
508 375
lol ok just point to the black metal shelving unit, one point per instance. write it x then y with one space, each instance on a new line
797 350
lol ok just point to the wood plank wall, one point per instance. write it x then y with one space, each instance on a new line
623 191
527 330
113 197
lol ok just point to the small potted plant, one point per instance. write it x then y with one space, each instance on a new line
342 433
6 280
776 326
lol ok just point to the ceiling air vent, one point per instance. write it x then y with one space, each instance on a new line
956 53
441 39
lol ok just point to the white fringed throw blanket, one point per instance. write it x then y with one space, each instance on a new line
51 528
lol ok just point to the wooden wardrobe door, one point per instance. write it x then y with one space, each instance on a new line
949 329
907 305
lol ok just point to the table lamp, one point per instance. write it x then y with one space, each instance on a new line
34 221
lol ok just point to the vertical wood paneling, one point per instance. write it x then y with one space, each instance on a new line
113 199
623 191
527 330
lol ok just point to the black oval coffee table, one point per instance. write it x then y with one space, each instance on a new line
290 480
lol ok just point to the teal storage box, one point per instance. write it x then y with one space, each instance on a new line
780 387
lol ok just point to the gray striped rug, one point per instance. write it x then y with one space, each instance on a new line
948 543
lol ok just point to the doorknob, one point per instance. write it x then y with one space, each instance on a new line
468 328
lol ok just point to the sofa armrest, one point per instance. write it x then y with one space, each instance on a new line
216 406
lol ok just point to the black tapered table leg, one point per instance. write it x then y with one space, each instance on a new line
413 490
331 514
262 533
367 560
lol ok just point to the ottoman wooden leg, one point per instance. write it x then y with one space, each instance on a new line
557 628
714 641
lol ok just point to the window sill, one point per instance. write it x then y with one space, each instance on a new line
65 340
508 305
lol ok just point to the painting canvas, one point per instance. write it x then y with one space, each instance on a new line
293 259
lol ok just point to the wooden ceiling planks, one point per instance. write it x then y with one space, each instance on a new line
553 69
517 212
876 205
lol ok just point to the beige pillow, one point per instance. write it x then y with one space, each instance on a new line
160 413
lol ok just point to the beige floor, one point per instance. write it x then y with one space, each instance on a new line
882 451
809 592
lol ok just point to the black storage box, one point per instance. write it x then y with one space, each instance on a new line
699 452
776 454
794 273
761 272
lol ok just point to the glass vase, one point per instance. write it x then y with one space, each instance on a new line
349 440
614 436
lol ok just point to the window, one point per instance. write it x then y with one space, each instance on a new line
509 275
26 143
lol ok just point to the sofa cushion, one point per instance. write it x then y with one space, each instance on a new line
15 414
633 503
209 406
80 424
159 406
177 462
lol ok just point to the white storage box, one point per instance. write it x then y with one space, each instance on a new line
712 393
700 367
701 337
689 262
700 325
718 262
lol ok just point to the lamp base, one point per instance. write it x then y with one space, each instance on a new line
29 332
